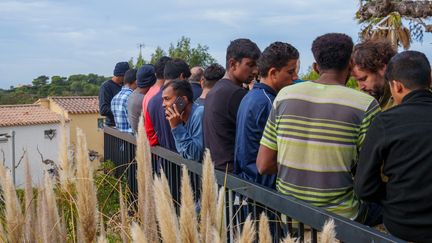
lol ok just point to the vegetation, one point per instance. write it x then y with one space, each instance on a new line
71 207
383 19
312 75
43 86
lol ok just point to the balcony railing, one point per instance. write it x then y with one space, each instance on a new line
288 214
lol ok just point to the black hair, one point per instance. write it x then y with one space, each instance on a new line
160 66
175 67
196 76
181 88
130 76
277 55
411 68
212 74
332 51
242 48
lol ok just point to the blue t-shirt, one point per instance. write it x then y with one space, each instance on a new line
251 119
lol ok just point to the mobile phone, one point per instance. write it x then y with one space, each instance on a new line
180 104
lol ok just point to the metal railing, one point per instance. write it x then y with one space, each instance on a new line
287 214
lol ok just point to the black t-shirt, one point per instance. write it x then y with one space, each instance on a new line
220 114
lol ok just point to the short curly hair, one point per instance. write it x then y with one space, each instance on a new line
372 55
332 51
276 55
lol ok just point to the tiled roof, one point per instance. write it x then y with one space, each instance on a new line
77 104
24 115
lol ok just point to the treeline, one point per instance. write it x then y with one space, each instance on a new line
43 86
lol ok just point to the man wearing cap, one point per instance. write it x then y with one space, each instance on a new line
119 102
109 89
145 79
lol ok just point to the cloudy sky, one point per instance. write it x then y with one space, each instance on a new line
64 37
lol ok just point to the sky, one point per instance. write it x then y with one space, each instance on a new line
65 37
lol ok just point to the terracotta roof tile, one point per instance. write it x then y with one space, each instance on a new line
24 115
78 104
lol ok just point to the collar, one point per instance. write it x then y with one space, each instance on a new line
265 87
418 95
126 88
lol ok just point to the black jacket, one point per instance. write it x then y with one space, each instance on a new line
106 93
399 144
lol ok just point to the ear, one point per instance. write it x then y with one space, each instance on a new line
272 72
397 86
232 64
315 67
182 76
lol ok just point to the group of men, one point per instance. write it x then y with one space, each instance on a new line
361 154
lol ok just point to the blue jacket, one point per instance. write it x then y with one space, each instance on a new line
188 138
251 119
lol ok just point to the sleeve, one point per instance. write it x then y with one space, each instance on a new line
190 143
370 114
104 102
367 181
151 134
269 138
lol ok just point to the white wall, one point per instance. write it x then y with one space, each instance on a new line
28 138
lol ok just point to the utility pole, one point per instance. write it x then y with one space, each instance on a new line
140 46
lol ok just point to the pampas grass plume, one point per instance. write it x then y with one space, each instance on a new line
146 205
328 234
86 192
188 220
208 195
13 214
248 232
264 234
165 212
137 234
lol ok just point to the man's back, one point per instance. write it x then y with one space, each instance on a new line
106 93
317 130
402 140
134 109
120 110
220 115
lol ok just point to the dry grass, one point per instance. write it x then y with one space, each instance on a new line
146 205
44 220
248 233
165 212
264 229
188 220
14 218
86 201
209 196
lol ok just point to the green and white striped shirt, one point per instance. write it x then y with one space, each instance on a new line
317 131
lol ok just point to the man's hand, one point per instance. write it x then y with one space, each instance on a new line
173 116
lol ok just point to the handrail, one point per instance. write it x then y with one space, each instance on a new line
346 230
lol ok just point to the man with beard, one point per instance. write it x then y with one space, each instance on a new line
370 60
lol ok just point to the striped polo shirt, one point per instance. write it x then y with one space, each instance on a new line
317 131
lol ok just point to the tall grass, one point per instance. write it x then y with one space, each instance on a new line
67 209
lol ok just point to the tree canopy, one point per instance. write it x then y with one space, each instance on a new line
194 56
383 19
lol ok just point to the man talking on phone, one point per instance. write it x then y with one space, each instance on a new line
185 119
